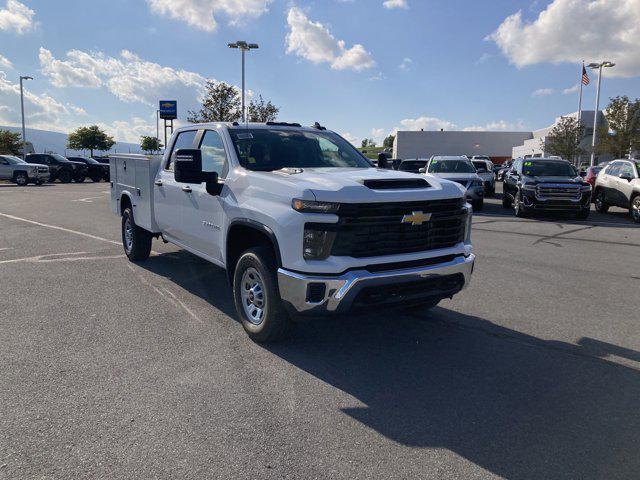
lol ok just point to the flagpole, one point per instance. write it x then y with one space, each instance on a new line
578 157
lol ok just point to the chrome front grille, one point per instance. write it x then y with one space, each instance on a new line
558 191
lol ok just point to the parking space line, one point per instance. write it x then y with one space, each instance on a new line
57 257
511 219
543 237
88 199
62 229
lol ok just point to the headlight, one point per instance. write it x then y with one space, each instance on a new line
468 223
317 242
309 206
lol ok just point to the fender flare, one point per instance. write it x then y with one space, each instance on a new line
129 197
247 222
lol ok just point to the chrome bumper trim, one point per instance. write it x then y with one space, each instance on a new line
341 290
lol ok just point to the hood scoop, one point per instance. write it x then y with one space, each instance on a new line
396 183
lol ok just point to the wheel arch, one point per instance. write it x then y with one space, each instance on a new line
243 234
16 172
125 202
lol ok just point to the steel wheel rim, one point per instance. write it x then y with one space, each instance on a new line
635 209
21 180
253 296
599 200
128 235
516 204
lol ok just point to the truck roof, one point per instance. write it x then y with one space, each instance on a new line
253 125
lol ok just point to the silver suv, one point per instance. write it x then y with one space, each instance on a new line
618 184
20 172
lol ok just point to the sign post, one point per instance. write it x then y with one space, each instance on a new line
168 111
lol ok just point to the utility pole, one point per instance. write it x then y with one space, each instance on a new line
594 139
24 130
244 47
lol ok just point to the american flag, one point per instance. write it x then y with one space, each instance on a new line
585 77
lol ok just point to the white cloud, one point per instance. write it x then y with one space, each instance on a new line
573 89
484 58
201 14
313 41
16 17
405 64
543 92
573 30
350 138
5 62
395 4
499 126
128 77
426 123
130 131
378 134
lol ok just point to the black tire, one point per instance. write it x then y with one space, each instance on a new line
79 178
478 205
21 179
96 178
634 209
583 214
506 203
518 209
65 176
137 247
271 322
600 203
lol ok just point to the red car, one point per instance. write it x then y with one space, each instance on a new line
590 177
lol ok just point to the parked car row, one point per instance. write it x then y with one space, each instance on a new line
39 168
618 185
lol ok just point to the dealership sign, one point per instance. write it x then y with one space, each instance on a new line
168 109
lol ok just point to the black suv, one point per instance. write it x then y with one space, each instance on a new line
545 184
59 167
97 171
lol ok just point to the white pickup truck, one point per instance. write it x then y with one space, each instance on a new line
300 220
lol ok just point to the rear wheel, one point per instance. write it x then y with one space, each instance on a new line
96 177
635 209
135 240
21 179
257 298
600 203
65 176
80 178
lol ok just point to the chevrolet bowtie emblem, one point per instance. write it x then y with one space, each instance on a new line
416 218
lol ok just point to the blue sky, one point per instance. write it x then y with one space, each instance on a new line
360 67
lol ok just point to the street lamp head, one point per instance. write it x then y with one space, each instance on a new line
253 45
608 64
594 65
26 78
242 45
232 45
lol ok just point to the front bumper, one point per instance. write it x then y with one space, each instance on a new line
41 176
317 294
530 201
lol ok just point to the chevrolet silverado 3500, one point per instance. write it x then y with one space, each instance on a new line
300 220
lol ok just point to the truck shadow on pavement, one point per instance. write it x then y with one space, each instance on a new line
517 406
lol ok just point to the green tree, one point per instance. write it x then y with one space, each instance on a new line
623 130
221 103
90 138
388 142
368 142
10 143
564 139
261 111
150 144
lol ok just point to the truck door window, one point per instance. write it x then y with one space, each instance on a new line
626 169
214 157
184 140
613 169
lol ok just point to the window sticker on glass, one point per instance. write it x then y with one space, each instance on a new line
528 164
244 136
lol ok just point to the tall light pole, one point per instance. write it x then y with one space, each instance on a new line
244 47
598 66
24 131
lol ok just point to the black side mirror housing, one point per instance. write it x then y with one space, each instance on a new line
213 183
626 177
188 165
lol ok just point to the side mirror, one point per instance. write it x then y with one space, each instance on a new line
625 176
188 165
214 184
423 170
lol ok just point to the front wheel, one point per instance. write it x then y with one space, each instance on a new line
96 178
478 205
583 214
135 240
80 178
635 209
257 298
21 179
518 209
601 205
65 176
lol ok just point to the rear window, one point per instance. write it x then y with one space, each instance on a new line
451 166
412 167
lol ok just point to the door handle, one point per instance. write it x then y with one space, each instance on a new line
158 183
186 189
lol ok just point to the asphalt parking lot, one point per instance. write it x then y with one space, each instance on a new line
116 370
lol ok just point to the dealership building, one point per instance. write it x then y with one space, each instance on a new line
499 146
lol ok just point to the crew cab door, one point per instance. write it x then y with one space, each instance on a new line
203 213
170 196
6 171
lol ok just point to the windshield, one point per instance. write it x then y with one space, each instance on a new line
548 169
264 149
13 160
413 167
451 166
60 158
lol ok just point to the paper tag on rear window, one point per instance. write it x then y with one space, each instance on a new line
244 136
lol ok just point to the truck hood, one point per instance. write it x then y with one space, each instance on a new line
348 185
